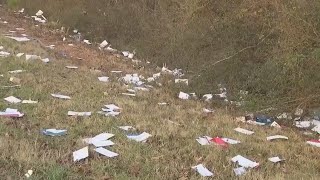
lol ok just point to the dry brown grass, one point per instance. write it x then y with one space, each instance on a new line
169 153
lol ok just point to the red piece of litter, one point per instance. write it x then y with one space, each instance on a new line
219 141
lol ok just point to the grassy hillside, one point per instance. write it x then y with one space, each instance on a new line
270 48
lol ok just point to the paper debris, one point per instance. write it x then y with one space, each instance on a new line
219 141
45 60
205 110
111 107
11 113
103 44
184 96
106 152
239 171
71 67
204 140
100 140
203 171
125 53
162 103
87 41
80 154
60 96
128 94
316 129
16 71
12 99
244 162
112 113
32 57
19 55
243 131
284 116
275 159
207 97
314 142
303 124
132 79
126 128
73 113
4 54
230 141
28 174
116 71
186 81
110 49
19 39
275 124
29 102
269 138
39 13
54 132
103 79
140 138
15 80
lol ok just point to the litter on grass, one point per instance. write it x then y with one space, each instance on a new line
185 81
16 71
230 141
270 138
54 132
205 110
11 113
71 67
19 39
103 44
203 171
28 174
80 154
29 102
204 140
243 131
126 128
12 99
74 113
140 138
314 142
244 162
275 159
59 96
128 94
207 97
103 79
32 57
45 60
100 140
183 96
19 55
4 54
15 80
106 152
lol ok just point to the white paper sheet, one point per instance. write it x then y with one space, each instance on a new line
106 152
103 79
126 128
71 67
12 99
29 102
244 162
275 159
243 131
19 39
230 141
184 96
205 140
269 138
60 96
140 138
80 154
73 113
203 171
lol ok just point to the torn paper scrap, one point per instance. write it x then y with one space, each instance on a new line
314 142
32 57
103 44
207 97
204 140
15 80
19 55
231 141
101 143
110 113
275 124
116 71
54 132
183 95
269 138
80 154
203 171
103 79
28 174
71 67
239 171
162 103
243 131
112 107
244 162
45 60
4 54
106 152
87 41
275 159
126 128
128 94
19 39
103 136
205 110
186 81
29 102
74 113
100 140
60 96
16 71
125 53
11 113
316 129
303 124
219 141
140 138
12 99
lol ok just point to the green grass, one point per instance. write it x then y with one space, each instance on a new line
168 154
